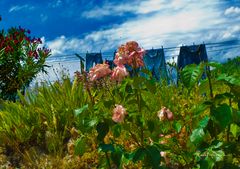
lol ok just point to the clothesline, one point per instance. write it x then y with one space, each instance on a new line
208 45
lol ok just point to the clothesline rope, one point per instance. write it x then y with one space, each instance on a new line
208 45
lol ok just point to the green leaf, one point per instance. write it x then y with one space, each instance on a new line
214 64
233 80
129 156
138 81
177 126
139 154
200 108
82 109
153 156
197 135
150 124
217 155
204 122
207 163
236 116
151 86
117 130
223 115
80 146
102 129
106 147
191 74
235 130
116 156
92 122
108 103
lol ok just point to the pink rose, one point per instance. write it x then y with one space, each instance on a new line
120 59
119 113
99 71
130 54
119 73
169 115
165 156
165 113
132 46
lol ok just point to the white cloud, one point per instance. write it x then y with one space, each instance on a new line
169 24
106 10
20 7
231 32
137 7
232 11
157 28
118 9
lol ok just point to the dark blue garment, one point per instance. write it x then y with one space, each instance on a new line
110 62
92 58
154 61
192 55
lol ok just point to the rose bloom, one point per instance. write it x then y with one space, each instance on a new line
119 73
132 46
120 59
119 113
130 54
99 71
136 59
165 156
165 113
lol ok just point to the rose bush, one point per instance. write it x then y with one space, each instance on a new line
136 122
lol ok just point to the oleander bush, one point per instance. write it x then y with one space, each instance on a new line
21 59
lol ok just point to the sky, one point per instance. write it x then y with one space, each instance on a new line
78 26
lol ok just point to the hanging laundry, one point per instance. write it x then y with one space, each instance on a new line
110 63
192 54
93 58
154 61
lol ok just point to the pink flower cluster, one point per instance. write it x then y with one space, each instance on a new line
119 113
99 71
164 114
130 54
119 73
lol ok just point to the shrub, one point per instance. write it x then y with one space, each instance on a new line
21 60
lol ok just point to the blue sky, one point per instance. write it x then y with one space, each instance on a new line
77 26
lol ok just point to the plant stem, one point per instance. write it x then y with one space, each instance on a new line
228 128
135 139
209 81
108 160
140 110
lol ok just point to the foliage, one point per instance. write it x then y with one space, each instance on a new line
21 59
136 123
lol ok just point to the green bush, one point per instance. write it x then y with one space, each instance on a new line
21 60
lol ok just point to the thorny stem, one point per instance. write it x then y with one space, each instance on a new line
108 89
108 160
209 82
140 110
135 139
228 129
